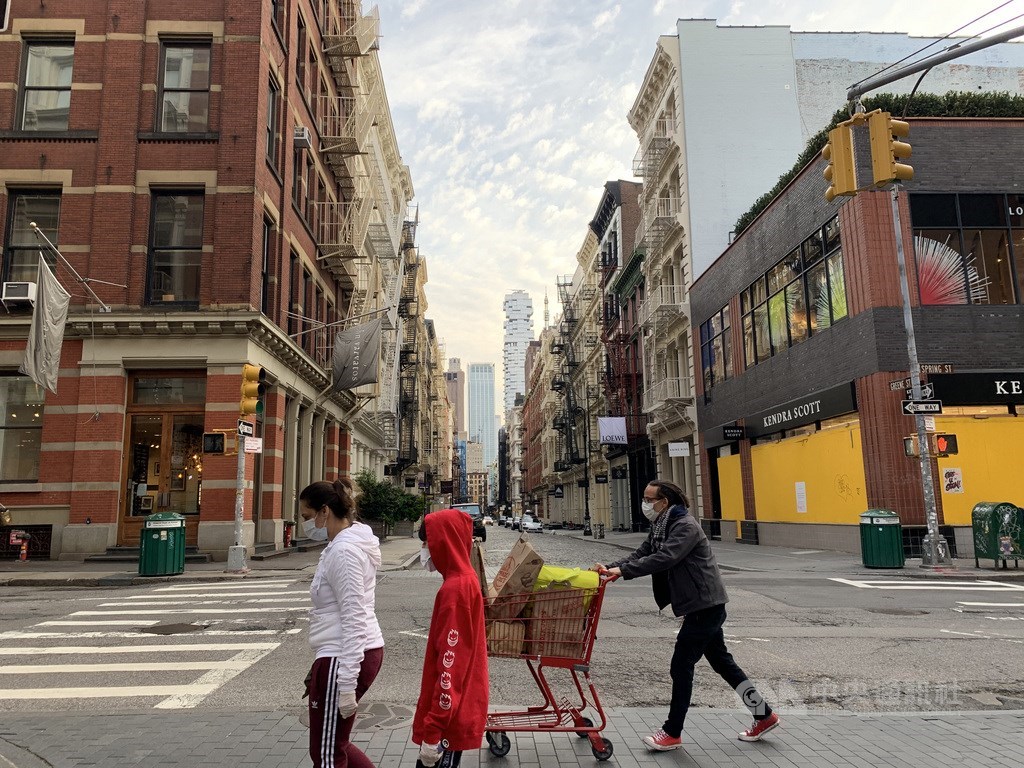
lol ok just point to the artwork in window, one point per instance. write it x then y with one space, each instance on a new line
837 286
940 274
777 321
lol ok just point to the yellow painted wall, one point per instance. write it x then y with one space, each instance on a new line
989 461
830 464
730 487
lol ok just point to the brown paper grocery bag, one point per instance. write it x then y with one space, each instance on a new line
505 638
510 591
476 559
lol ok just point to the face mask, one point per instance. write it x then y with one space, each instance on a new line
426 562
647 507
310 529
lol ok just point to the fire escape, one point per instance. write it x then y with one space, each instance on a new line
614 341
564 422
408 365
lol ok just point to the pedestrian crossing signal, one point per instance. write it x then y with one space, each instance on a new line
945 445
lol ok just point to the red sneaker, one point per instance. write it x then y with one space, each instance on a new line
659 741
760 728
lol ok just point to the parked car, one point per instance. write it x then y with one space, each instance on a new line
554 525
529 524
488 520
473 510
515 523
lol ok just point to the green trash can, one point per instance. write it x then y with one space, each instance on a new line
162 545
998 529
881 539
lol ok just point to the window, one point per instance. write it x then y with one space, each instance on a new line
968 248
21 429
46 97
184 88
715 349
798 297
277 15
273 102
300 58
268 233
21 254
176 247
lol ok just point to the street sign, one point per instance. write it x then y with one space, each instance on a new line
254 445
915 407
245 428
903 385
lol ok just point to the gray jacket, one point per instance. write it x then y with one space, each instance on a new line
683 569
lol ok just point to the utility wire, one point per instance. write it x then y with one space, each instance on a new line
944 37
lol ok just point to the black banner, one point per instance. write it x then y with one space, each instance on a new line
999 388
806 410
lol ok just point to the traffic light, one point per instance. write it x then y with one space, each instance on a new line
944 445
886 150
253 387
841 171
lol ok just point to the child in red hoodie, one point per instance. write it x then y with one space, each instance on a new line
452 708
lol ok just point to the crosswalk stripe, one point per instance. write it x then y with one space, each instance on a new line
23 635
269 609
65 623
78 650
262 601
213 679
261 584
174 595
145 666
125 691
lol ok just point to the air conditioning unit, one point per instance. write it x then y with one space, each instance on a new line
303 138
19 293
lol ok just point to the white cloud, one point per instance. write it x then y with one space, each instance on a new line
605 18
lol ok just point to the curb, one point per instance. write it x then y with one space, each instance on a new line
402 565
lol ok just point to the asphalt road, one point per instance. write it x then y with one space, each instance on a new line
811 638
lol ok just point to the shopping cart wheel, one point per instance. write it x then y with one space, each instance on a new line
588 723
499 744
605 753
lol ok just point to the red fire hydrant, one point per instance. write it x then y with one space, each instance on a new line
289 526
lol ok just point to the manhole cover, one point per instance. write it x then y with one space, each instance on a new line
898 611
172 629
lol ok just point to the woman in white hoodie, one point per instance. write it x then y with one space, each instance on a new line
343 628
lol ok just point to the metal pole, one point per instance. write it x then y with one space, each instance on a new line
939 58
934 550
236 554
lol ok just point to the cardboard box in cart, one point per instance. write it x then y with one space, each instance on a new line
558 615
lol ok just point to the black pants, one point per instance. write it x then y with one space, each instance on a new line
701 635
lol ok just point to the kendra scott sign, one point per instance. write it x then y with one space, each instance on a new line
806 410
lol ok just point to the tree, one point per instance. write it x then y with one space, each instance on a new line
380 501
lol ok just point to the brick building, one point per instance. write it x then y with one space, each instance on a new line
802 344
226 175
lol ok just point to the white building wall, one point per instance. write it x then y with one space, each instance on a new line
518 328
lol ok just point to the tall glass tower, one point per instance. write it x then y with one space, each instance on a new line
518 335
482 421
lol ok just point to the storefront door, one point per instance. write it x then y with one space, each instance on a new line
163 446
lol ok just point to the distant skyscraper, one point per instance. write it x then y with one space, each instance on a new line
455 380
482 426
518 335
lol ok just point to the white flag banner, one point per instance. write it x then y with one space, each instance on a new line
612 430
46 336
356 355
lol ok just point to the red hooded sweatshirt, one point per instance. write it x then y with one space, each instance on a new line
454 691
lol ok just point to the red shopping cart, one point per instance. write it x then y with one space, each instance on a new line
552 628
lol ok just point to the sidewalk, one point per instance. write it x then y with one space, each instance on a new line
733 556
397 553
276 740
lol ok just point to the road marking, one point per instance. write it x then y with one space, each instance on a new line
261 601
53 650
992 605
21 635
976 635
143 623
271 609
414 634
241 587
142 666
28 694
210 682
807 552
952 586
174 595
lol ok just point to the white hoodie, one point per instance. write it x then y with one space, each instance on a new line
342 622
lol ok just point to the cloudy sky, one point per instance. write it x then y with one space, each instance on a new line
511 115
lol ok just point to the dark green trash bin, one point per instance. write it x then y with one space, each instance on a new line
162 545
998 529
881 539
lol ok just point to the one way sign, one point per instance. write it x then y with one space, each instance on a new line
916 407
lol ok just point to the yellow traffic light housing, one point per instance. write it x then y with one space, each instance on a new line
253 388
886 149
841 171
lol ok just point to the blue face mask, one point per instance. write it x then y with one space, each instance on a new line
309 527
426 562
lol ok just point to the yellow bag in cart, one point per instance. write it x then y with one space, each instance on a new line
557 622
